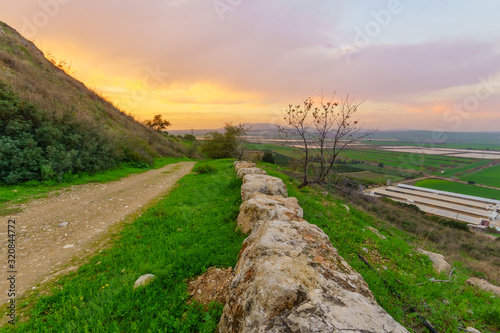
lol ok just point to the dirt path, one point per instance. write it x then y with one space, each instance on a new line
53 230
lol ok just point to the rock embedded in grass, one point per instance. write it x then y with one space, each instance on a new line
144 280
376 232
439 264
484 285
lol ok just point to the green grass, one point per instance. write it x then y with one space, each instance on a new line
447 306
460 170
15 194
371 176
187 232
445 185
489 176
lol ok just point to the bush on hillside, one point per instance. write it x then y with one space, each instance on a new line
35 147
268 157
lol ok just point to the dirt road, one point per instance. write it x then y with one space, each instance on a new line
52 231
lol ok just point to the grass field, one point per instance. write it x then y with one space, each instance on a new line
371 176
15 194
489 176
462 169
187 232
445 185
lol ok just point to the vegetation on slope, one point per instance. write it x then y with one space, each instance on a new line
187 232
52 125
402 280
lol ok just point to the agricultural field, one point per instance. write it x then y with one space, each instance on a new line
489 176
372 176
388 164
462 169
431 139
445 185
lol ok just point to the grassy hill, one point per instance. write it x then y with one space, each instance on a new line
52 125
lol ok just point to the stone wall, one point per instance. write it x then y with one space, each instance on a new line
289 278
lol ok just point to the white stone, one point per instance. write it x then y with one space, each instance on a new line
144 280
484 285
265 207
262 184
376 232
250 171
438 262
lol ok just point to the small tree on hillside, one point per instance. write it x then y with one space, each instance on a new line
230 144
321 134
157 123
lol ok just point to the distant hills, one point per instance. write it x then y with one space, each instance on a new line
51 125
411 137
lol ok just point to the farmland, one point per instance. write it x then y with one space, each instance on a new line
377 166
489 176
445 185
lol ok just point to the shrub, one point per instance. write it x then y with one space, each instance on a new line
268 157
189 137
35 146
205 168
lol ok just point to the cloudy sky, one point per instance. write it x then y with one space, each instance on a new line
428 64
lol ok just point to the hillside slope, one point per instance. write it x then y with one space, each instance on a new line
51 124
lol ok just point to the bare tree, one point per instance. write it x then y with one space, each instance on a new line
321 133
241 140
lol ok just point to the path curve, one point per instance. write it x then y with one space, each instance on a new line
53 230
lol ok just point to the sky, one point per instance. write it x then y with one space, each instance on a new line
428 64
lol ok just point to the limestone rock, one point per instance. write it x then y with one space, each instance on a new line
250 171
471 329
262 184
438 262
290 279
484 285
243 164
376 232
144 280
213 285
267 207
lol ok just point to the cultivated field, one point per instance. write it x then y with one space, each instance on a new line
445 185
489 176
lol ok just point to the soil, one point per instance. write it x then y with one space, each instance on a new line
54 233
213 285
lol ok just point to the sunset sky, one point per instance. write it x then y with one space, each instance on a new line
425 64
